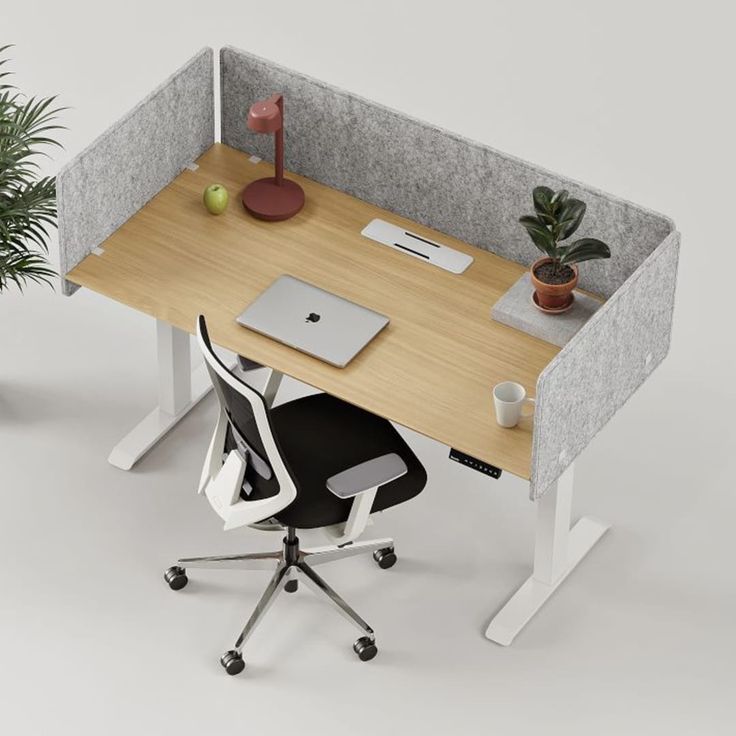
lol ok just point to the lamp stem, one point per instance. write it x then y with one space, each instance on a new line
279 145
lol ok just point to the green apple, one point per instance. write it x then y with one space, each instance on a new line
215 199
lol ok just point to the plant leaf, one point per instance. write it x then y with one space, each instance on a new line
548 220
585 249
570 217
19 269
542 197
558 199
27 199
540 234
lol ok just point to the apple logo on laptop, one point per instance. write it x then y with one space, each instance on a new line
313 317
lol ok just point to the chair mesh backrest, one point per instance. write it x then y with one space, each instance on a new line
238 404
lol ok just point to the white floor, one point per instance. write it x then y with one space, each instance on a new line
640 639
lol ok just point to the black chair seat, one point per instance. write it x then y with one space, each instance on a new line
320 436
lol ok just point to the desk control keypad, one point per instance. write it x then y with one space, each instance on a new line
474 463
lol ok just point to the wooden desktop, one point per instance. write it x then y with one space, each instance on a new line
432 369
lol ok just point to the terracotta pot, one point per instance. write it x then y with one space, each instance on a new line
553 296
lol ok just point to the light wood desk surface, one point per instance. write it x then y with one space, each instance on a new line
432 369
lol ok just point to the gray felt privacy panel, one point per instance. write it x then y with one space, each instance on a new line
422 172
603 365
416 170
133 160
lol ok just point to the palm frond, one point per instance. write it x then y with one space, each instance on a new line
27 200
20 268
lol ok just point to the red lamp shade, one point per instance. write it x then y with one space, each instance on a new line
265 116
272 198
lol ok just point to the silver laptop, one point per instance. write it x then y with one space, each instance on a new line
312 320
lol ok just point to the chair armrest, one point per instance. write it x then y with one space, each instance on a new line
367 476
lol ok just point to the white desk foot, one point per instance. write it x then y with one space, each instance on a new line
151 429
533 594
557 551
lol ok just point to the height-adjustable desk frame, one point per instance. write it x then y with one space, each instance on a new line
155 248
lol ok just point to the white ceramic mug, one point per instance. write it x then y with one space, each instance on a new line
509 399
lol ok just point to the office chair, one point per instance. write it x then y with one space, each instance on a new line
313 463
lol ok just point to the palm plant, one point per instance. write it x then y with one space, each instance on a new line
557 217
27 200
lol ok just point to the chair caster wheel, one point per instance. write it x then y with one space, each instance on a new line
385 557
291 586
365 648
233 663
176 577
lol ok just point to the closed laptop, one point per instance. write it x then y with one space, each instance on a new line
313 320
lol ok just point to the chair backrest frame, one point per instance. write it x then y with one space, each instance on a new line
226 501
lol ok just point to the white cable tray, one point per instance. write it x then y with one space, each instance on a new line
417 246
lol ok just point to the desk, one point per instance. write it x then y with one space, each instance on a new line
432 369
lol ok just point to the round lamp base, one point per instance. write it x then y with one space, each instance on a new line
267 201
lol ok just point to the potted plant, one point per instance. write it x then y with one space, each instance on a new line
555 275
27 200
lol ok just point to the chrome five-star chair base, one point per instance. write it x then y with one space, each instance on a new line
291 563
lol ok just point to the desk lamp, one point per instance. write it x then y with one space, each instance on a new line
272 198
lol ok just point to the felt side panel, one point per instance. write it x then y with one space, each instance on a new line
603 365
133 160
422 172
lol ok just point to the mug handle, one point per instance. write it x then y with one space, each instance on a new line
528 400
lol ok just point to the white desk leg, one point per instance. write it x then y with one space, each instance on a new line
271 387
179 389
557 551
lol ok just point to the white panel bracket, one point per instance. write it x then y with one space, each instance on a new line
557 551
179 390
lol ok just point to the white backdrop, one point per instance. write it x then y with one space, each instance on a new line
633 97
